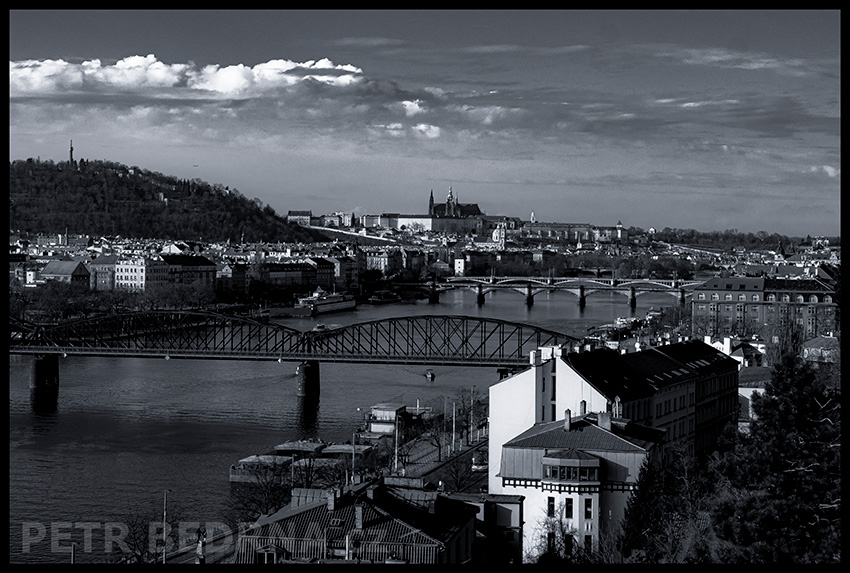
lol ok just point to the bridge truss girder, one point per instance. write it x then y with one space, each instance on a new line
430 339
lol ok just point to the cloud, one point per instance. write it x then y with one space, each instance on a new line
412 108
427 131
726 58
830 171
145 72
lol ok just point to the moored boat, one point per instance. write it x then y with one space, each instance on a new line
384 297
321 302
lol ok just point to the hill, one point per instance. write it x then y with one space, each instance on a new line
103 198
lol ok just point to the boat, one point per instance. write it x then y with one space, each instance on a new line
321 302
384 297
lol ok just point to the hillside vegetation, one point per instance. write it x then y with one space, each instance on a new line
103 198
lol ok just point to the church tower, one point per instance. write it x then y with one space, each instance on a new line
71 153
450 204
431 204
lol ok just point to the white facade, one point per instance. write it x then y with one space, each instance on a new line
140 273
543 393
527 398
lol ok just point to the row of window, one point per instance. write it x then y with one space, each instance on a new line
673 404
770 298
740 308
573 473
568 507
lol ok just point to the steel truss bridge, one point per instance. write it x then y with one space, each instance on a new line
428 340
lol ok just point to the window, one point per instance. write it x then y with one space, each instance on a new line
799 298
827 298
701 296
588 543
550 511
568 508
714 296
742 297
728 297
588 508
755 297
813 298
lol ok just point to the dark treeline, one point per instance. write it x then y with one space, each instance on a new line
730 238
103 198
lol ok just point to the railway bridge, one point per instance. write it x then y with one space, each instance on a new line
164 334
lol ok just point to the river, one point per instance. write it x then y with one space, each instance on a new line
128 430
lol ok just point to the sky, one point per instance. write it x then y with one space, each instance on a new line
706 120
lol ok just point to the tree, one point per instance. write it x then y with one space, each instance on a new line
269 490
141 535
782 502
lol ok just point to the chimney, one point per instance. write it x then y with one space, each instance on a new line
331 499
370 491
603 420
567 417
358 516
582 407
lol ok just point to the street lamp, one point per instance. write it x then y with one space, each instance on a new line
164 513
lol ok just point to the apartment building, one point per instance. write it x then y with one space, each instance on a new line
680 395
190 269
138 274
576 473
746 306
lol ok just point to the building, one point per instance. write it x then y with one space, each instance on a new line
292 275
232 278
499 524
369 523
138 274
687 391
747 306
299 217
452 208
71 272
190 270
325 272
578 471
103 270
346 271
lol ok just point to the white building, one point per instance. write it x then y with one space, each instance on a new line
140 273
685 392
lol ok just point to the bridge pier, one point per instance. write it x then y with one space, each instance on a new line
479 298
632 298
681 297
307 375
529 297
44 379
582 298
434 295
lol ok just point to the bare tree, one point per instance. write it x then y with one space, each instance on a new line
140 535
